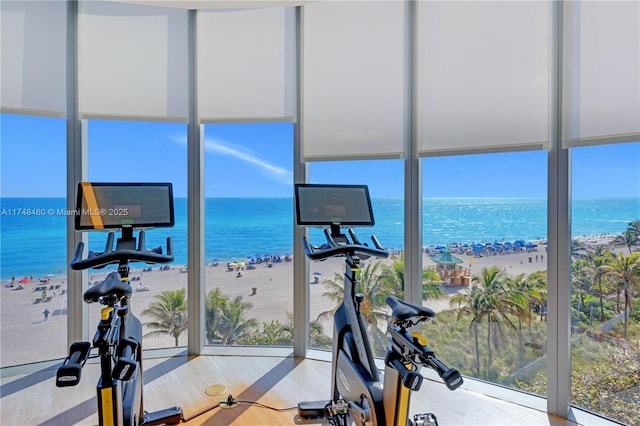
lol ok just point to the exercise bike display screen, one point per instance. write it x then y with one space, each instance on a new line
117 205
322 205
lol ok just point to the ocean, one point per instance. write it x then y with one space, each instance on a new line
237 228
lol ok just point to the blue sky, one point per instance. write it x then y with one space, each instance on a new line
255 160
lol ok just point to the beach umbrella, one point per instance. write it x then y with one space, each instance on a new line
25 280
317 273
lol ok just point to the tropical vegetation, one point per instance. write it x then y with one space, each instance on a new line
168 313
495 329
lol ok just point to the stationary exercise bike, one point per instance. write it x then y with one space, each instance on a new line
118 338
357 391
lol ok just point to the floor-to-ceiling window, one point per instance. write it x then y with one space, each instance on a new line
605 280
326 278
248 234
484 263
33 239
465 65
33 172
132 91
130 151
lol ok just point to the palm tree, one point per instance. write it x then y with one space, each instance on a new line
214 303
276 333
581 279
627 238
374 284
471 302
225 320
234 324
530 293
169 314
539 280
598 259
272 333
578 249
634 227
394 276
626 269
490 297
499 300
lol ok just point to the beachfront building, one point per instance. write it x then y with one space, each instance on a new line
233 102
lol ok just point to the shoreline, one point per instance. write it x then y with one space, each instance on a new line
588 240
268 289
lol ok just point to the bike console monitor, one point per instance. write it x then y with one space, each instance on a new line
104 206
333 205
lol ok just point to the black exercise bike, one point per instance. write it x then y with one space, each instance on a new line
118 338
357 391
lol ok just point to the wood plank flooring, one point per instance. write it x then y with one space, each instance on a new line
278 382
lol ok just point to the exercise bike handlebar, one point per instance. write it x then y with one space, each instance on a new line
352 248
450 376
409 349
110 256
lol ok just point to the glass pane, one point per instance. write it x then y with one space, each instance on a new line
385 181
249 234
605 277
122 151
33 252
485 264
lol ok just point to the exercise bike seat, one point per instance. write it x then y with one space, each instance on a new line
111 286
402 310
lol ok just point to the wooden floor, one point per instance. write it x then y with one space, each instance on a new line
278 382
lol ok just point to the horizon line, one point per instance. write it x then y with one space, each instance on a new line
532 197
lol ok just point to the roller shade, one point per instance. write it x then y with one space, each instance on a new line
132 62
601 85
353 78
246 65
482 76
33 57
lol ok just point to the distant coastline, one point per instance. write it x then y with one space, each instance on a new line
239 228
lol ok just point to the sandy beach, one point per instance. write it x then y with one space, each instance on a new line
21 311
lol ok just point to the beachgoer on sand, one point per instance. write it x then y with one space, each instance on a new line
46 314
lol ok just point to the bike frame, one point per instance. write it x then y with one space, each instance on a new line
356 388
118 338
119 401
350 380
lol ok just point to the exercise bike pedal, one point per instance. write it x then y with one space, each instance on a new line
69 372
168 416
425 419
312 409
